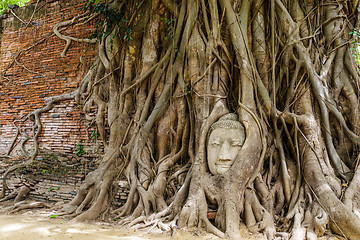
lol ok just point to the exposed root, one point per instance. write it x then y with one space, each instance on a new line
154 101
257 217
6 174
77 19
22 205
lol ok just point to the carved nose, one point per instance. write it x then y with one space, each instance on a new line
224 154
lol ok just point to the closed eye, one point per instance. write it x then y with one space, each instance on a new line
236 144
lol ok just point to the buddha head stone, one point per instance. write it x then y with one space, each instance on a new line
225 139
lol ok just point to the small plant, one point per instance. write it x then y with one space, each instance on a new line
94 135
109 19
4 4
79 149
170 22
355 48
170 28
355 44
128 32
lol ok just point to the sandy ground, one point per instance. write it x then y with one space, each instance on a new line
39 226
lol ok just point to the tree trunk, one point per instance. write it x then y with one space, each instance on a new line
168 73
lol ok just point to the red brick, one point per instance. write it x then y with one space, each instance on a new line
61 133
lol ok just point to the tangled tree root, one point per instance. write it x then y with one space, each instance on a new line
18 195
23 205
154 101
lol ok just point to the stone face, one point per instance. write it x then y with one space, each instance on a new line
225 139
223 148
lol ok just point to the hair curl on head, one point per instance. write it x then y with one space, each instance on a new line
228 121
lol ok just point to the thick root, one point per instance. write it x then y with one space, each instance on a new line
18 195
257 218
19 206
93 197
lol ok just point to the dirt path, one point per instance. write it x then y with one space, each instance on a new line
22 227
38 226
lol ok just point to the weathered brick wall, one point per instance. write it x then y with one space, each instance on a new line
56 177
40 72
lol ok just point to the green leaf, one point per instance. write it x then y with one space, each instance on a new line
54 216
94 135
5 3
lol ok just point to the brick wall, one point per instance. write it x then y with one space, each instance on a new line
40 72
